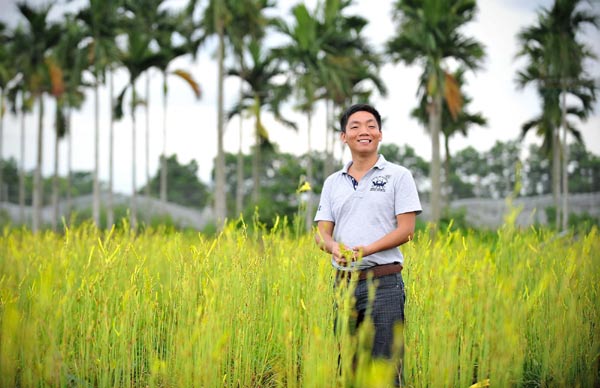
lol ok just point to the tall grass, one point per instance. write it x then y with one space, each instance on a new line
254 308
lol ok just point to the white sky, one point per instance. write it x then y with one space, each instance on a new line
192 123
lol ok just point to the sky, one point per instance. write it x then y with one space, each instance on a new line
191 123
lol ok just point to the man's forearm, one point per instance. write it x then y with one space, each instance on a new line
403 233
391 240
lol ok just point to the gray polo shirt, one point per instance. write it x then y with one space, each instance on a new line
367 212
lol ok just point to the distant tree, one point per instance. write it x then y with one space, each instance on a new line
329 60
407 157
263 93
42 76
351 69
454 122
430 32
250 26
537 177
8 72
168 25
280 176
137 57
555 65
584 169
10 172
81 183
102 22
184 188
217 18
501 163
71 59
21 101
468 169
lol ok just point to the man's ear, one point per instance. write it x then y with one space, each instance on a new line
343 137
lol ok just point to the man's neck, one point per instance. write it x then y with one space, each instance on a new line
361 164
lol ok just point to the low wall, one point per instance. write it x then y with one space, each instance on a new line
484 212
480 212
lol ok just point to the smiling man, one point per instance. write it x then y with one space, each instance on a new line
366 211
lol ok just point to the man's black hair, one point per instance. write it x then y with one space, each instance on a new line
358 108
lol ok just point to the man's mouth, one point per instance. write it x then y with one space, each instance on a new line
364 141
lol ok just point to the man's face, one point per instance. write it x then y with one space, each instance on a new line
362 133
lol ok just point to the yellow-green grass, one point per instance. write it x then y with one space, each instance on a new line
90 308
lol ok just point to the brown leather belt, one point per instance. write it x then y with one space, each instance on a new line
376 271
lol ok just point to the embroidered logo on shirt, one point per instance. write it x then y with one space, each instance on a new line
378 183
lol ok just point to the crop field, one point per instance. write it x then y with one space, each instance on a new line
254 307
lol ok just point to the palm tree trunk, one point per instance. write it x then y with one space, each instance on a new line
96 199
239 189
22 167
309 176
446 185
163 160
55 215
435 113
256 154
329 138
110 214
220 194
328 142
2 196
133 210
69 206
37 179
147 153
556 174
565 163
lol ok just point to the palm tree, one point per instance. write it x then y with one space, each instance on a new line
264 92
429 33
555 65
329 60
219 19
148 16
250 25
304 55
72 60
102 24
21 101
215 20
167 25
136 58
41 76
7 73
454 122
351 71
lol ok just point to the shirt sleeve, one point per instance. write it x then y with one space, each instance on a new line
324 210
407 197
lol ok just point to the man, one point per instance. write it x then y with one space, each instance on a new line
366 211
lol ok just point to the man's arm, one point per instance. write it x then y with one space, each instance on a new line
325 241
403 233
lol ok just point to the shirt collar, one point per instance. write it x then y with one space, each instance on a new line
380 164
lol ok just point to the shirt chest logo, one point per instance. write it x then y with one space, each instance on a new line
378 183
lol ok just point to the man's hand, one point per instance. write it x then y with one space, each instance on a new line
360 251
342 254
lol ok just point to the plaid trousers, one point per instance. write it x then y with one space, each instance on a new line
386 310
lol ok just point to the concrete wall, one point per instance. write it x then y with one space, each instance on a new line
146 209
484 212
481 212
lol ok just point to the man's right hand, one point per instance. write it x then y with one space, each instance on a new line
342 254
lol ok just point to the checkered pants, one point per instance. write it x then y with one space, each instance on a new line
386 310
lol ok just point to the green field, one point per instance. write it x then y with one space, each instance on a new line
254 308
